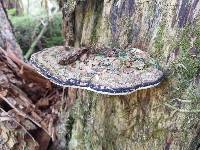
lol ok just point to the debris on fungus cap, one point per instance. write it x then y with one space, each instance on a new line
102 70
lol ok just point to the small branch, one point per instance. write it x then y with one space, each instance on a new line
35 31
31 49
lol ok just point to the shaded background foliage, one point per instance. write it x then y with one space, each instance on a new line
26 27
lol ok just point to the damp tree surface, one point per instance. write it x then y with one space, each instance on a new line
35 111
164 117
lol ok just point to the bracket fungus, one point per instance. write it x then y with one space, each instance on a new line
103 70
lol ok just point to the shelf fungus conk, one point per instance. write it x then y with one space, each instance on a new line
102 70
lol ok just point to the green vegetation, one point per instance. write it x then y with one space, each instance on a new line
27 28
159 42
12 12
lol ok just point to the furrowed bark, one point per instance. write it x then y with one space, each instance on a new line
167 31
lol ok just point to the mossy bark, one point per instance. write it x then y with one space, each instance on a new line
168 30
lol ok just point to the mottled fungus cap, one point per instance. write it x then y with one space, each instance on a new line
102 70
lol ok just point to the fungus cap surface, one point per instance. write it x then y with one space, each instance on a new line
107 71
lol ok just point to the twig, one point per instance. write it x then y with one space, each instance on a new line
35 31
31 49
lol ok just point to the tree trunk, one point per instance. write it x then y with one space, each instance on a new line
165 117
7 38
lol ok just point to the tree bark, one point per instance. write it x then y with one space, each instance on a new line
166 29
7 38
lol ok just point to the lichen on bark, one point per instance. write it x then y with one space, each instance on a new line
169 31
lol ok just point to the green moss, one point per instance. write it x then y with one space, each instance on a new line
159 42
184 42
158 134
197 42
94 37
196 33
186 67
97 16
